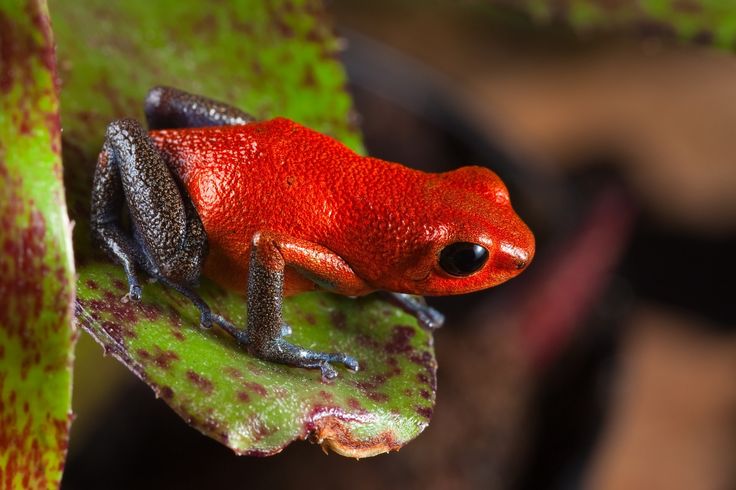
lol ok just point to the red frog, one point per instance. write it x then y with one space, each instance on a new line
273 208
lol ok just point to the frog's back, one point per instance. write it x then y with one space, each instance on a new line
275 152
273 175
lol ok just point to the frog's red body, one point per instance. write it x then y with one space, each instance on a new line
273 208
386 221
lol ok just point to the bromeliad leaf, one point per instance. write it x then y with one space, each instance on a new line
268 58
256 407
36 269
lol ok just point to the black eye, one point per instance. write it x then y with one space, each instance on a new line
463 258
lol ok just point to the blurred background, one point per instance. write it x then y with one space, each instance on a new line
610 363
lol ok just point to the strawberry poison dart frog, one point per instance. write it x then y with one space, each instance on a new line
272 208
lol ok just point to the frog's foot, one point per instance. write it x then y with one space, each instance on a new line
135 292
281 351
428 317
134 288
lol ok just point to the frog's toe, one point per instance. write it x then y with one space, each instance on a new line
346 360
222 322
238 333
205 320
281 351
328 372
430 318
135 292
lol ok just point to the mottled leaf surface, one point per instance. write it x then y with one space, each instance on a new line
269 58
36 269
257 407
691 19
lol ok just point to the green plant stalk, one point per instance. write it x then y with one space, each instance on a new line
36 265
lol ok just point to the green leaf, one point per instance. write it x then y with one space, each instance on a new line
256 407
690 19
269 58
36 268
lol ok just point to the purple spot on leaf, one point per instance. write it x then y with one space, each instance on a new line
339 320
255 388
400 342
425 412
200 382
377 396
233 372
166 393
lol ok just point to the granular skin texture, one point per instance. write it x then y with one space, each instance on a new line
387 221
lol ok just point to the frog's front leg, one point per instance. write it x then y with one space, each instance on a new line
270 255
428 317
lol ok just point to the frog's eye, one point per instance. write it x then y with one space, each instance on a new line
463 258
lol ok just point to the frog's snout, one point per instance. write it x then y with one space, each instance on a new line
512 257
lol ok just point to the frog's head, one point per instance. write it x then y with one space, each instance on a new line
477 241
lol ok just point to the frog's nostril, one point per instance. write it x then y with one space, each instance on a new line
512 257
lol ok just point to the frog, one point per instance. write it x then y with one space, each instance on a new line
271 208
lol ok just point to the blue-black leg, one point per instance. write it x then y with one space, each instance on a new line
170 108
207 319
265 325
167 239
428 317
107 200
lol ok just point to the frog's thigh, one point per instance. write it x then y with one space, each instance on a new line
165 222
170 108
107 199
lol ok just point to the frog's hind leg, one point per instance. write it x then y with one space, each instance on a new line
170 108
168 240
107 200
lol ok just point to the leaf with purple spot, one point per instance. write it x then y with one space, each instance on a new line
256 407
